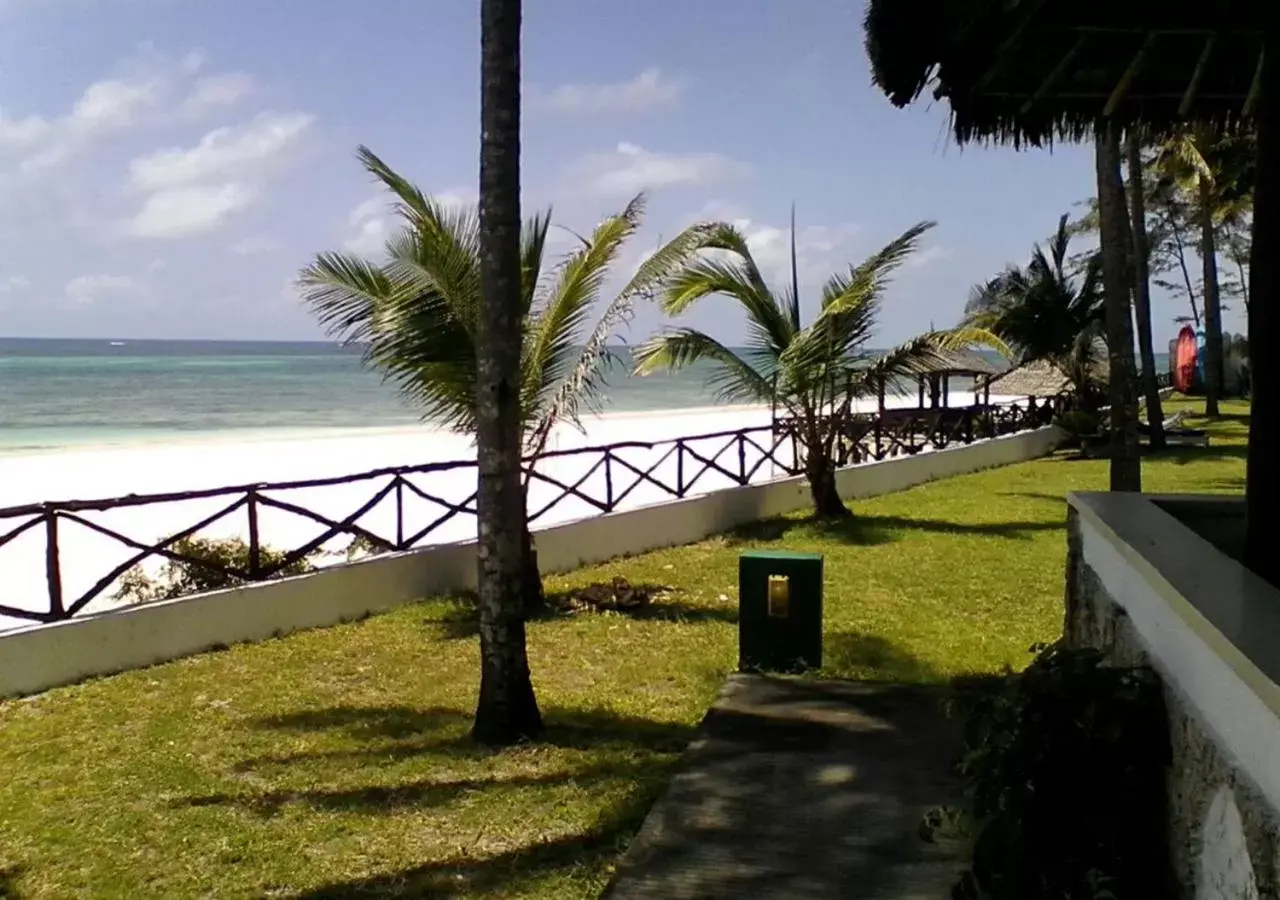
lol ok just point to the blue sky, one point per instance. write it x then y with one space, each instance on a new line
167 166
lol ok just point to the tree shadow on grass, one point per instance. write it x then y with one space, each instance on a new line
870 657
390 733
1182 456
9 876
461 617
864 530
500 873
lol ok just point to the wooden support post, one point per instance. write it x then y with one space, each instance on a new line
1193 87
1262 479
1126 80
52 567
255 548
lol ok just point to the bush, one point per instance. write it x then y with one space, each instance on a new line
180 578
1080 424
1064 765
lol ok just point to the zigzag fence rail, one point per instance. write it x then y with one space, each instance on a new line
404 507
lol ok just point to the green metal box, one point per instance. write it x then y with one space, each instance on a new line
779 611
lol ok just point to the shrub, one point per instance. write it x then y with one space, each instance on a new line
1080 424
180 578
1064 766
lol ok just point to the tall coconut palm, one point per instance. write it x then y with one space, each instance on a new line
1044 312
1141 267
812 371
1114 233
507 710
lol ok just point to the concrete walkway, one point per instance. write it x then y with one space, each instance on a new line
802 790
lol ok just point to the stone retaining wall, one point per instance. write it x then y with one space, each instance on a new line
1124 583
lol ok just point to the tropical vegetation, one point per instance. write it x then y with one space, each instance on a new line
812 373
1047 312
417 311
336 762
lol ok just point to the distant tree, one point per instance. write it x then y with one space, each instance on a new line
1214 173
813 371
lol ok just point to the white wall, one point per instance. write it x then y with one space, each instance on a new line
1169 581
39 657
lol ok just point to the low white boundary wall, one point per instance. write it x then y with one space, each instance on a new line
43 656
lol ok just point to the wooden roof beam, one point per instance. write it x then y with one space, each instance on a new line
1184 108
1051 80
1004 52
1255 89
1126 80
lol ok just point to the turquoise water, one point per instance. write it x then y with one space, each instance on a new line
63 393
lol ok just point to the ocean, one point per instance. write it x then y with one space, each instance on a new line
58 394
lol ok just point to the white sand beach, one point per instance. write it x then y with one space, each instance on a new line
85 474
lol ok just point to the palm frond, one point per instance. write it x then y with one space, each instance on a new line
411 335
732 378
737 277
565 306
850 304
585 383
910 359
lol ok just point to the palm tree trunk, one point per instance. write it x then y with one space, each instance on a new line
507 710
820 471
1142 291
1212 302
534 596
1262 482
1126 466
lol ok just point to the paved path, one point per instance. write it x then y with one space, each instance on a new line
802 790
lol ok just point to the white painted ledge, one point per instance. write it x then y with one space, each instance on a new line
42 656
1210 626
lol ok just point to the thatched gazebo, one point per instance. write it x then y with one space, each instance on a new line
935 381
1032 72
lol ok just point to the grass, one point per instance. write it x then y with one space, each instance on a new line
335 763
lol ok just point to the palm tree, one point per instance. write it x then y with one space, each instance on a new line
1216 172
418 315
1141 267
507 710
812 371
1046 313
1114 234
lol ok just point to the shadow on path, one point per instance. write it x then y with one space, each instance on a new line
803 790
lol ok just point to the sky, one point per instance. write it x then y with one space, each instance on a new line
168 166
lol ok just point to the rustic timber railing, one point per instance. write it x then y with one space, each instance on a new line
395 509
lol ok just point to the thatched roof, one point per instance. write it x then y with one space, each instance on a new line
1034 71
1035 379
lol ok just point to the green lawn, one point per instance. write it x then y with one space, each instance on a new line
335 763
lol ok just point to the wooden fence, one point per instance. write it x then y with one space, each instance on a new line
599 480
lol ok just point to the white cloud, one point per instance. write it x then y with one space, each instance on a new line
87 289
630 169
253 245
184 211
928 256
821 250
223 151
217 91
371 220
11 283
648 90
103 108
